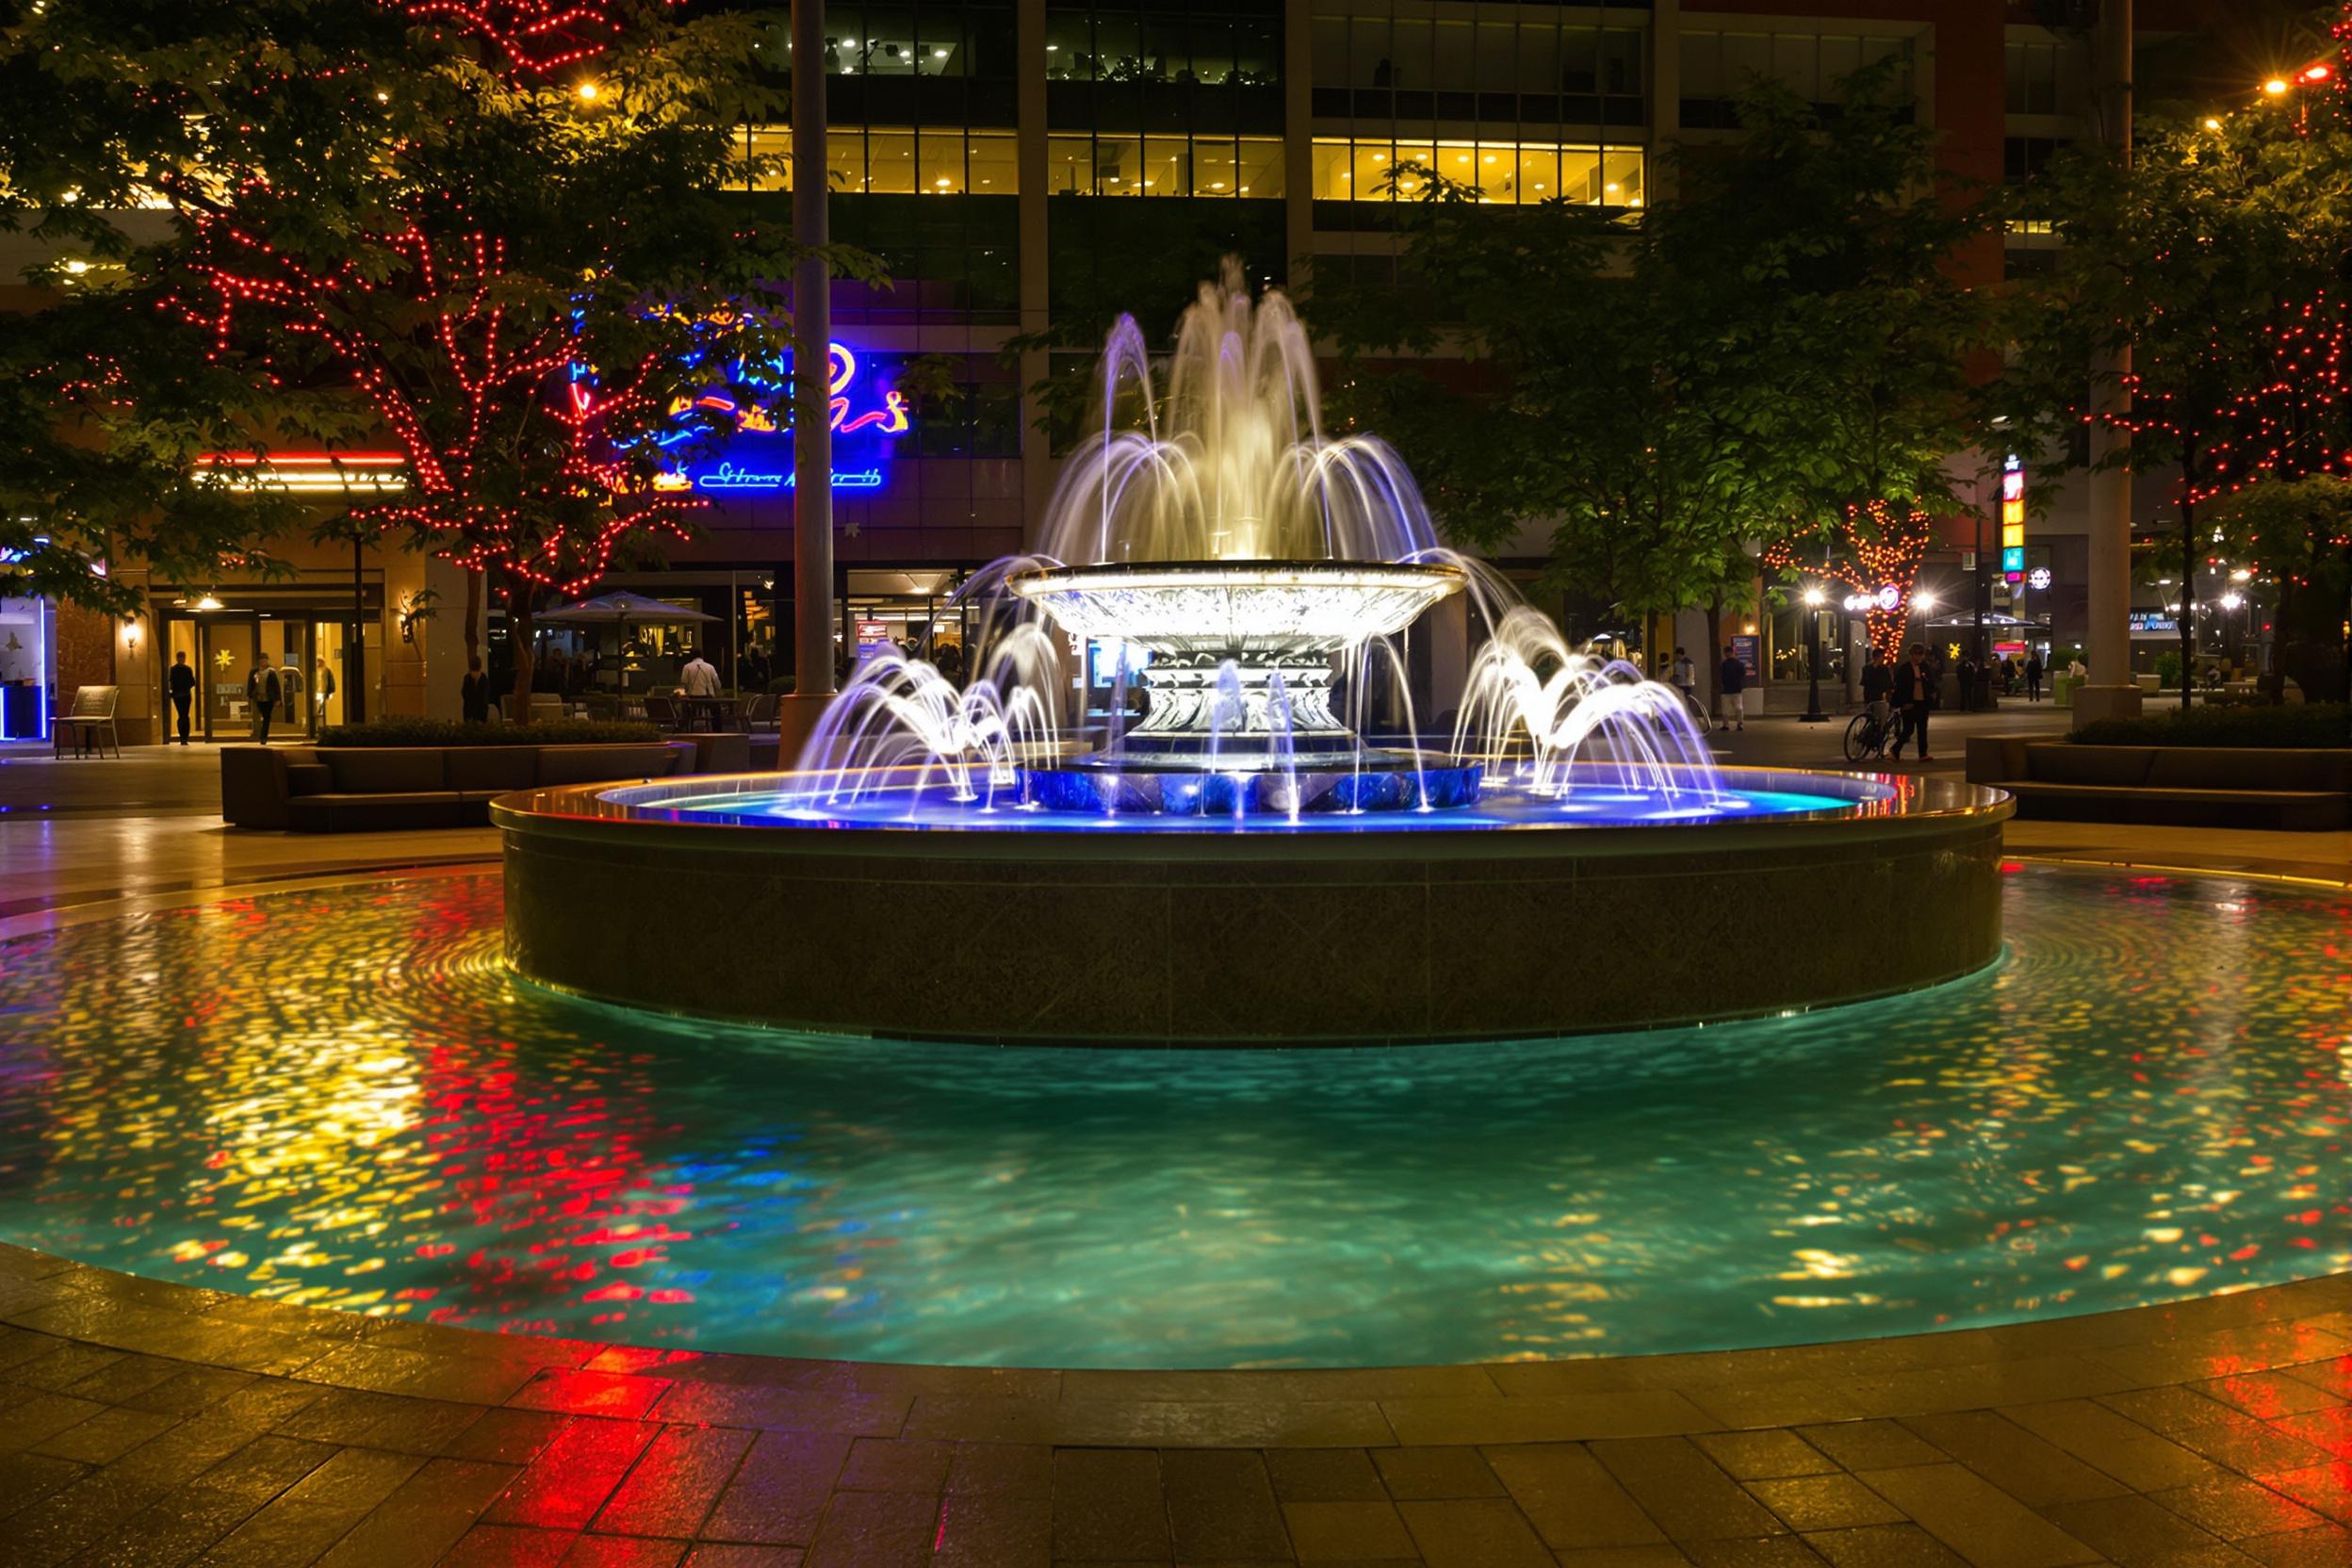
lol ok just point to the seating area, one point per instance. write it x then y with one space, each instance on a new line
359 789
2054 779
88 723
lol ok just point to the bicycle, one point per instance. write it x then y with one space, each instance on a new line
1869 736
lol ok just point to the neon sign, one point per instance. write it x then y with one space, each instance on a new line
750 459
2013 520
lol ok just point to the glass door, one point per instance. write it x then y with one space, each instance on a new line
330 650
229 642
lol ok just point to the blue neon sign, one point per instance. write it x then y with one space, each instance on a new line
867 415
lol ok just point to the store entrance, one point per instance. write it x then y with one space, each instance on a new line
224 648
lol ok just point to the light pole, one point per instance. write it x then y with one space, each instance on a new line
1813 714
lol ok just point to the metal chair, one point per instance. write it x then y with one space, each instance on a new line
90 721
663 712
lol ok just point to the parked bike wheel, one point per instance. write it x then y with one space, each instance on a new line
1862 741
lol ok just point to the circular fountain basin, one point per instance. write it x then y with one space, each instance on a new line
912 915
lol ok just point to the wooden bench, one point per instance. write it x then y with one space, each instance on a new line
89 721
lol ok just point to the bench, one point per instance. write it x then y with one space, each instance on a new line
360 789
2302 791
89 721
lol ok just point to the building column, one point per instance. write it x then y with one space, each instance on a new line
1037 453
2111 691
1664 93
1298 144
812 430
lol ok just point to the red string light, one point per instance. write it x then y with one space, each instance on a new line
536 37
1883 545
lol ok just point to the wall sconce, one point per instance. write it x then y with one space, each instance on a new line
130 638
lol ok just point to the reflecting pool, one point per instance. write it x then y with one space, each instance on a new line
339 1097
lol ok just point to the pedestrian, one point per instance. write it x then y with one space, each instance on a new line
2034 675
261 690
1914 694
182 687
2076 669
473 692
700 679
1686 677
1734 679
1877 681
1968 682
322 688
290 687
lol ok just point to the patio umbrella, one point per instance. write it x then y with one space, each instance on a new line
624 610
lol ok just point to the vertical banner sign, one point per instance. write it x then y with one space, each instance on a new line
1749 649
2013 520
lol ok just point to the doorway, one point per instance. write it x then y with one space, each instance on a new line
224 647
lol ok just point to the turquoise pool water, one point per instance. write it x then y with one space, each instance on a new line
339 1097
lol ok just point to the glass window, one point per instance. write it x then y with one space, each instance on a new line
1070 165
1260 164
939 41
768 150
1118 49
1212 60
941 164
1539 57
1581 60
1411 41
1457 161
845 159
1497 44
1621 61
889 48
1331 51
992 163
1257 53
1840 58
1166 49
1412 155
1620 176
1118 165
1539 174
891 162
1369 63
1452 70
1068 46
1214 170
1332 171
1167 165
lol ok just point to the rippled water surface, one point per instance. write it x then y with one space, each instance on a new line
338 1097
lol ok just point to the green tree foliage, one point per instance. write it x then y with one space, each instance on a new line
1756 359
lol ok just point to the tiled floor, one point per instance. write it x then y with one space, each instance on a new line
145 1422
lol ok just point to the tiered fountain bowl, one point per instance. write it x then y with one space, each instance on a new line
1236 866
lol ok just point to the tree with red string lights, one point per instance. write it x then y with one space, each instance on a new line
1876 549
510 237
2200 254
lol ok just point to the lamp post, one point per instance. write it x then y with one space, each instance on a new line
1813 714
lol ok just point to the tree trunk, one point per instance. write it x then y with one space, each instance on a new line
1710 667
2188 572
2275 678
519 594
473 617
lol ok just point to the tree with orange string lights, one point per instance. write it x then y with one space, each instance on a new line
1876 549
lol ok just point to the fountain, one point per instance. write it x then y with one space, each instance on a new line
1251 578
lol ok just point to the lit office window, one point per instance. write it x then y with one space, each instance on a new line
1503 172
895 160
1211 166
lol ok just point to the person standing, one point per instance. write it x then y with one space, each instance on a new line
1968 683
474 692
322 688
290 689
1686 677
261 690
1914 693
182 690
2034 675
700 679
1877 681
1734 675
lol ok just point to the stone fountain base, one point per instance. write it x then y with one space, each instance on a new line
1253 938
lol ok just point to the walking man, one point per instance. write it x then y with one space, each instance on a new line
2034 675
183 689
261 690
1913 692
1734 675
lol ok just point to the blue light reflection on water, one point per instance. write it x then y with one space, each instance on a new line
1500 808
339 1097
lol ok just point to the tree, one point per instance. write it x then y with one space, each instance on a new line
498 235
2187 253
1673 393
1878 555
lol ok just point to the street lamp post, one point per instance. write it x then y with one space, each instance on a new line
1813 714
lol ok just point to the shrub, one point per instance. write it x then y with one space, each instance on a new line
442 733
2273 726
783 685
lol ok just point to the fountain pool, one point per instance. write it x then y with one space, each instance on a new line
340 1096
